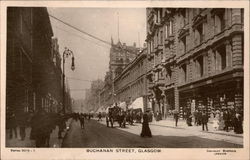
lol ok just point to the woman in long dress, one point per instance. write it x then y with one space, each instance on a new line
216 121
146 132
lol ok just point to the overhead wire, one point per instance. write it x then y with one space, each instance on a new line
86 33
77 35
80 30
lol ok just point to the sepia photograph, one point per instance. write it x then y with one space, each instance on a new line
125 79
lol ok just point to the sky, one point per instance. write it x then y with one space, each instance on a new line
92 56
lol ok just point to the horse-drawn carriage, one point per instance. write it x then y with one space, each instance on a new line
114 114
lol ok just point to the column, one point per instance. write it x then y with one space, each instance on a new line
237 55
239 95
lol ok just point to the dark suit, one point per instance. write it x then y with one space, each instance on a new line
204 120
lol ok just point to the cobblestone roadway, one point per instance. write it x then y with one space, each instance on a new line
98 135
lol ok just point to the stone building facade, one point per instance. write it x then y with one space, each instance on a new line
131 83
194 55
19 92
120 56
34 73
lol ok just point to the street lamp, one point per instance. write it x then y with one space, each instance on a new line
66 54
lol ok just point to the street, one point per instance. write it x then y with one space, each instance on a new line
96 134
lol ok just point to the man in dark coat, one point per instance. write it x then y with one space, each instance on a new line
146 132
82 120
226 119
99 116
61 125
204 120
176 117
12 125
40 128
22 122
238 128
199 115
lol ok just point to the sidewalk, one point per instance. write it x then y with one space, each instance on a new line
182 125
54 141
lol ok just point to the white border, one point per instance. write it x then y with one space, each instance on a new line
167 153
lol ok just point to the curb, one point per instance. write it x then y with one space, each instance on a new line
239 136
66 133
166 126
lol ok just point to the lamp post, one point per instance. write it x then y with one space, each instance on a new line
66 54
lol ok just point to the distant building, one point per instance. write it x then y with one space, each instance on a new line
195 55
120 56
131 83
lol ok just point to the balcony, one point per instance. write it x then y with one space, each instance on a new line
159 48
160 82
169 40
150 85
183 32
198 20
150 55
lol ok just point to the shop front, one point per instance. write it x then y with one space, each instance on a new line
169 102
217 96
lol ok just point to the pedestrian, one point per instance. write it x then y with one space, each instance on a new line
82 121
226 119
199 117
22 122
61 125
221 121
157 116
40 127
99 116
146 132
123 119
89 116
176 117
238 128
12 125
189 118
216 121
204 120
195 117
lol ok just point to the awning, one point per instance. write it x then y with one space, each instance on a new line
138 103
101 109
123 105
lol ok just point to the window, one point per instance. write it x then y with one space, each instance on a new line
184 47
166 27
183 13
221 17
155 18
157 38
200 66
161 37
169 74
162 56
201 34
170 27
184 73
161 74
156 76
221 57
